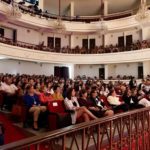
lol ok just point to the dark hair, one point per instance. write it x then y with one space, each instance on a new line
28 88
92 91
69 93
83 91
110 92
55 87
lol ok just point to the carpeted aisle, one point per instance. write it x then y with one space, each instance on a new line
12 133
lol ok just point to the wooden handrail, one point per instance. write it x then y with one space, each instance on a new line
70 129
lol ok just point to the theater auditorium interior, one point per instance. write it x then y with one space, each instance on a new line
75 74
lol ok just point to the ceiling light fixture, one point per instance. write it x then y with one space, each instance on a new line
59 26
14 11
142 15
102 27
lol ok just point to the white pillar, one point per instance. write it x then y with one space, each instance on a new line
143 1
71 71
146 68
72 44
105 7
72 8
106 72
41 4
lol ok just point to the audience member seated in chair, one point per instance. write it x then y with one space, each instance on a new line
130 100
76 111
97 106
57 93
9 90
45 96
116 104
33 104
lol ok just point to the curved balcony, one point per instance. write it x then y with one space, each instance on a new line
34 19
22 53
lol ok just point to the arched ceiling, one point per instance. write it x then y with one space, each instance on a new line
89 7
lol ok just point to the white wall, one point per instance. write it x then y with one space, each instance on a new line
112 38
123 69
77 39
23 67
88 70
113 70
146 33
26 67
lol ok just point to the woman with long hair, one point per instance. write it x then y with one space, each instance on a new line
76 111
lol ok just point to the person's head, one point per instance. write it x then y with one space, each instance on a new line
93 93
112 92
134 92
30 89
83 93
70 93
44 89
129 92
9 80
57 89
31 81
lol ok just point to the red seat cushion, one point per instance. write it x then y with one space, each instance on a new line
104 98
56 106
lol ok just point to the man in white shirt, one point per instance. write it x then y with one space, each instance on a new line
9 89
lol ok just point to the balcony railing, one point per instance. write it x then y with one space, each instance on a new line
125 131
97 50
87 19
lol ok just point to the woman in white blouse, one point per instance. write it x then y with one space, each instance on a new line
72 105
115 102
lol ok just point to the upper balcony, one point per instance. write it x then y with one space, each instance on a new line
80 24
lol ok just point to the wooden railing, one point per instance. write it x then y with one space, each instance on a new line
130 130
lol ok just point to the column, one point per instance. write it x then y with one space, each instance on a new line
106 71
72 8
41 4
71 41
105 7
143 1
146 68
72 71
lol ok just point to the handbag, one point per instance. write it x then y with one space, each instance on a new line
16 110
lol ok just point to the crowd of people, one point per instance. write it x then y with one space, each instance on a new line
89 99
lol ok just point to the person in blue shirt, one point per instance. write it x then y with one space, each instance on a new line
33 103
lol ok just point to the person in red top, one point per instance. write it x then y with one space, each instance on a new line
45 96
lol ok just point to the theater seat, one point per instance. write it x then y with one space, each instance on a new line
104 99
58 117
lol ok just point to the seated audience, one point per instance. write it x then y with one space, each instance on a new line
76 111
32 102
96 106
115 102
